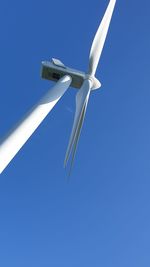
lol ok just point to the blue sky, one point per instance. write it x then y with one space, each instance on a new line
101 217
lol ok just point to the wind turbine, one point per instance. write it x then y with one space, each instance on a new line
64 77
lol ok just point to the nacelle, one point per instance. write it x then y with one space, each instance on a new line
56 69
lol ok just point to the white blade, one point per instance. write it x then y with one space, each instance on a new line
76 139
81 104
17 138
99 40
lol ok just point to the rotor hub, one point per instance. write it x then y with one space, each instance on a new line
96 84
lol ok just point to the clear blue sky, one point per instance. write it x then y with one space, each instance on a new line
102 216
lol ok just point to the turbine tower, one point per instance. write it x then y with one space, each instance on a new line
64 77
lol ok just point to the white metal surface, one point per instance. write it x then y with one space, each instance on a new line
58 63
81 104
53 72
17 138
90 82
99 39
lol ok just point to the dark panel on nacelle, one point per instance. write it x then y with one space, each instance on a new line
54 73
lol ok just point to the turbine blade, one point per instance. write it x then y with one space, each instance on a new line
18 137
76 139
99 39
81 104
